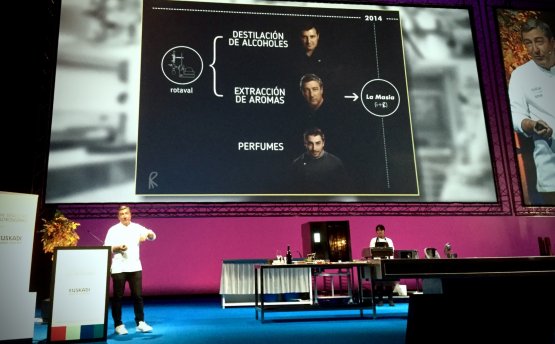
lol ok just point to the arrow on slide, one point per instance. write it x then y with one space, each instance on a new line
354 96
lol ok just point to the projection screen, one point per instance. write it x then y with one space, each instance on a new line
170 101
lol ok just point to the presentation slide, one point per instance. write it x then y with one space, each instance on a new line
273 100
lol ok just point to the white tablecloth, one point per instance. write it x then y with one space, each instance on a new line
238 278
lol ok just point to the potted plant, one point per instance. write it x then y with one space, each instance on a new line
57 232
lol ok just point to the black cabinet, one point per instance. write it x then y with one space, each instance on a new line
329 240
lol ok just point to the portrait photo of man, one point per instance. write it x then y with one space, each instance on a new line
310 38
318 171
531 86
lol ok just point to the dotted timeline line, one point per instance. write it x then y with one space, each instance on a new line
376 50
385 155
254 13
383 124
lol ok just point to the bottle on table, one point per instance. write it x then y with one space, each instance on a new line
288 256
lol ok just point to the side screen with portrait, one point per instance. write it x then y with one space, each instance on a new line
528 49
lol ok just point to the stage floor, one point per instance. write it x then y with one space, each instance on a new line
202 320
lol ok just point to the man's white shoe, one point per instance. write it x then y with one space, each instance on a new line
120 329
144 327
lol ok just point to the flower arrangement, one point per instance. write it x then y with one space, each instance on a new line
514 52
58 232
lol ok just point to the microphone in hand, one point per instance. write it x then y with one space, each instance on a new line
122 250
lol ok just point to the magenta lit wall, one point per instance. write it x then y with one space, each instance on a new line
187 256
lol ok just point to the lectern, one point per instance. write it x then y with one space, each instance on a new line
79 294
